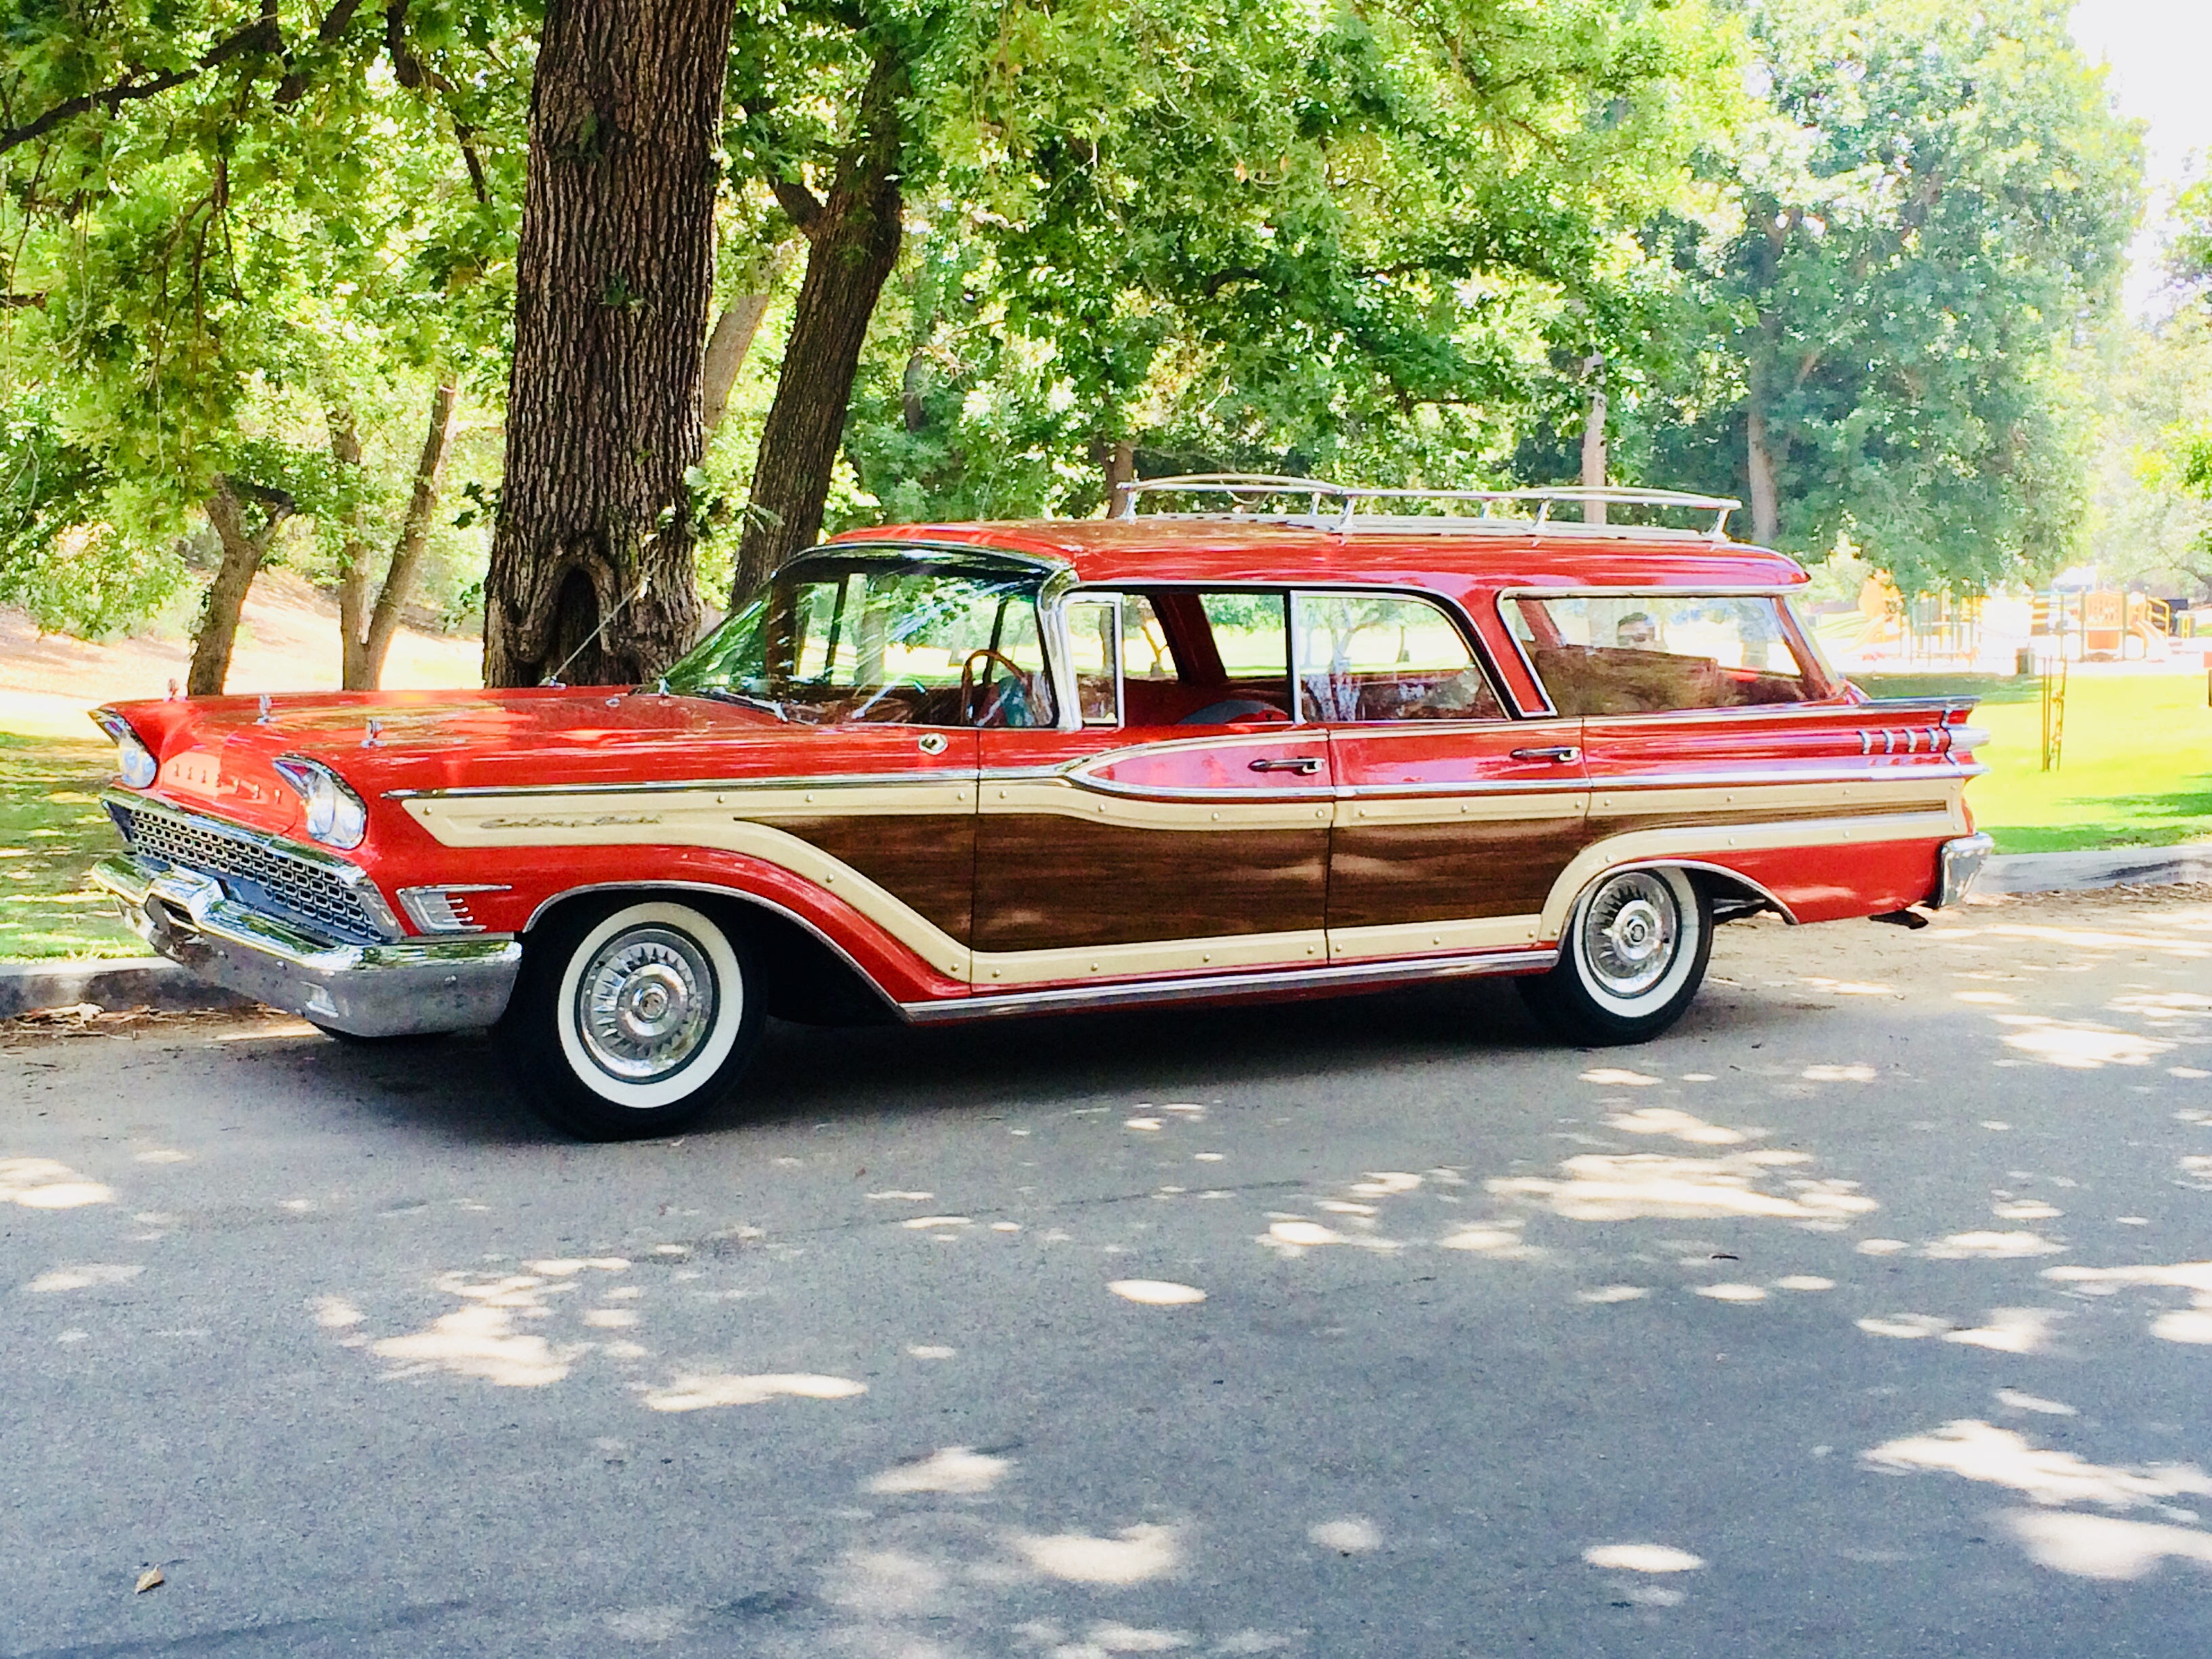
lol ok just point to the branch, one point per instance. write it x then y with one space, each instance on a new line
295 81
260 36
799 203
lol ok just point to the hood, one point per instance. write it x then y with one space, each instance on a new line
216 753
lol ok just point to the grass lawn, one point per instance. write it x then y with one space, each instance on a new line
51 827
2136 770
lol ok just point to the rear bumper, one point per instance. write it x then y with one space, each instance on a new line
370 990
1957 863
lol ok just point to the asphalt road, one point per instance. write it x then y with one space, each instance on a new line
1855 1317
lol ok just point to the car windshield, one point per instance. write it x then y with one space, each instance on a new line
898 639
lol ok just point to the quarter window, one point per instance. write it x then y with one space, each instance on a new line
1382 657
1647 652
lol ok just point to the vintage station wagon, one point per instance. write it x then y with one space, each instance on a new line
1290 740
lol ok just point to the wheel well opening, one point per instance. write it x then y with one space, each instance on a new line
803 979
1733 898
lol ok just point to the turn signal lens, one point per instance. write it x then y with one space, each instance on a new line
133 758
335 815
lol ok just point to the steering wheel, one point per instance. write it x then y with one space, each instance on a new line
970 686
912 693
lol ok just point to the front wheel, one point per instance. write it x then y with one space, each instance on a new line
631 1017
1635 952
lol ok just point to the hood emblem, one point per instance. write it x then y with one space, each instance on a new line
262 718
375 731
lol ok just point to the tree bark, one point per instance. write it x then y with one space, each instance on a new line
1594 440
853 242
1120 469
1766 506
243 551
353 560
731 342
614 275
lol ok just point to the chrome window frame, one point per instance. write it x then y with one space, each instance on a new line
1108 600
1456 618
1550 710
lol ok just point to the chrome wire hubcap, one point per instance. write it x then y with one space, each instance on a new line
645 1003
1630 929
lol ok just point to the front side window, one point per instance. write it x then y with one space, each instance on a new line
1380 657
1649 653
884 638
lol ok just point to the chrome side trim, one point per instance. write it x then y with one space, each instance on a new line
370 990
1286 982
705 785
736 893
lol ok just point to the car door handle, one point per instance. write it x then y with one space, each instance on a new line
1566 754
1305 765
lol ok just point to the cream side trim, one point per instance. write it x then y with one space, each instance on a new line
1716 841
1302 949
688 821
1903 793
1471 805
1424 938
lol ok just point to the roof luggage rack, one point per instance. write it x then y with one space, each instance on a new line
1346 507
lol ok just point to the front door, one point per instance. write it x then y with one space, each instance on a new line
1131 851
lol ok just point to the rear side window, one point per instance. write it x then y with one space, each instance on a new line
1378 657
1642 653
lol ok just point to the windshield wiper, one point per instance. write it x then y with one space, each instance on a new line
744 700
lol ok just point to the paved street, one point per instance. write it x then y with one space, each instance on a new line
1855 1317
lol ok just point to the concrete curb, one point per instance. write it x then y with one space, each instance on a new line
109 985
2069 872
157 982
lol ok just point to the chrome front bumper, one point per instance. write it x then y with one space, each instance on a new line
369 990
1956 866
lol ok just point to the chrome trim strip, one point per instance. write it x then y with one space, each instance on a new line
938 776
1342 977
370 990
1736 875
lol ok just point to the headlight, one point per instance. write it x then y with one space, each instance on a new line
334 814
133 758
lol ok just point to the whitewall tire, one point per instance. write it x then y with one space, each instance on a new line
1632 957
633 1014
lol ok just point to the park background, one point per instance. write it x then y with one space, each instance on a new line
1927 283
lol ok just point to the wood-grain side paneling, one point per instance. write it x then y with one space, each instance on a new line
926 862
1406 873
1046 881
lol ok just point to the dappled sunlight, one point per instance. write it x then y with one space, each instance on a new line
1351 1536
87 1276
2013 1400
1680 1125
2011 1330
1981 1451
2079 1045
958 1471
1156 1292
1616 1076
1131 1556
1642 1558
1990 1246
40 1183
2104 1546
2192 1324
479 1342
694 1391
1638 1186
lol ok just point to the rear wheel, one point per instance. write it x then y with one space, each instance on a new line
1635 952
631 1016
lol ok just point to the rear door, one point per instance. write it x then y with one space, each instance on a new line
1453 822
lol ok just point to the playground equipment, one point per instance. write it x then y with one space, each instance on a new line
2103 626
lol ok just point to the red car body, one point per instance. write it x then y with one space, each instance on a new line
932 869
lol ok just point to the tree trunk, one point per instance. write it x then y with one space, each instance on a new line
731 342
614 274
353 560
1765 507
1593 441
242 553
368 645
1120 469
853 239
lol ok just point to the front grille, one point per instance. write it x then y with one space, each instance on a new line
256 875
